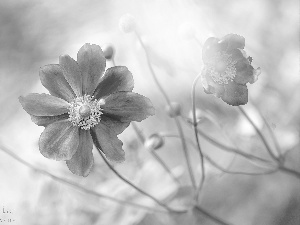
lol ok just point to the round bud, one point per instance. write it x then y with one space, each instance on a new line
174 109
187 31
127 23
154 142
108 51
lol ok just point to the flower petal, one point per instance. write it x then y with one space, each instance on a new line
127 106
244 72
234 41
43 105
211 87
92 62
115 79
72 73
235 94
53 79
82 161
210 48
46 120
59 141
116 125
107 141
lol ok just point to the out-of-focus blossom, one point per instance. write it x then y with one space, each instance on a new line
85 107
174 109
127 23
227 69
187 31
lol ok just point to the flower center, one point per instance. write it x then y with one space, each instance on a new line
221 68
85 112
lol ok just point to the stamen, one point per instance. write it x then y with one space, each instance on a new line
221 68
85 112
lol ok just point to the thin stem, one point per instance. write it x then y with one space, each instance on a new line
213 163
162 163
127 181
230 149
200 186
211 216
289 171
259 133
272 136
153 153
74 185
178 125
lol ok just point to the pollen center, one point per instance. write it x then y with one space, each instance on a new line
85 112
221 68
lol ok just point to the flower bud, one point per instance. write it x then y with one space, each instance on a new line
155 141
174 109
109 51
127 23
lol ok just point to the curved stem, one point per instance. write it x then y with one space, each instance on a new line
74 185
289 171
196 136
179 128
127 181
153 153
213 163
259 134
211 216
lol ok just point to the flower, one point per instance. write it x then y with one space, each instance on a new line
227 69
127 23
85 106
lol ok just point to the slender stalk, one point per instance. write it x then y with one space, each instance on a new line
162 163
74 185
211 216
153 153
213 163
272 136
127 181
259 134
200 186
289 171
177 122
142 138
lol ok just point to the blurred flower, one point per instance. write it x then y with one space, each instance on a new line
108 51
174 109
227 69
154 142
187 31
127 23
83 104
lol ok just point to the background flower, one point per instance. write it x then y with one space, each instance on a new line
227 69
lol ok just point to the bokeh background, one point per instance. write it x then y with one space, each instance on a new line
34 33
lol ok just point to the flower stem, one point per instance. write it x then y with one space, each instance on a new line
153 153
259 134
177 122
197 138
127 181
74 185
216 165
211 216
230 149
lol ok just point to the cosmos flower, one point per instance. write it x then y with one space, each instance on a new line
84 107
227 69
